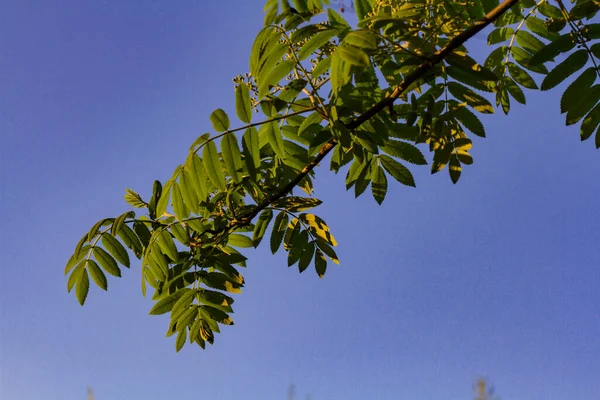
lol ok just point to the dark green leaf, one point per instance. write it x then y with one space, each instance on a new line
397 170
378 182
404 151
521 76
589 99
562 71
279 227
469 121
261 226
573 93
320 263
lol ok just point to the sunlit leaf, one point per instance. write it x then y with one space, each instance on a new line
212 165
97 274
219 120
243 106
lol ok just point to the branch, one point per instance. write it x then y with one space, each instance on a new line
415 75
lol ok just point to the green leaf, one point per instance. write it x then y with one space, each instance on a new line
295 203
521 76
75 275
573 93
525 60
115 248
274 138
273 76
238 240
167 245
595 49
328 250
97 274
296 246
363 39
320 263
182 305
550 11
156 194
106 261
306 256
471 67
212 165
311 123
589 124
589 99
119 221
405 151
243 106
397 170
529 42
82 288
562 44
353 55
142 232
499 35
318 228
180 234
188 191
94 231
197 175
261 226
161 206
279 227
181 338
76 259
219 120
316 42
562 71
232 156
131 240
165 305
515 90
454 168
477 102
251 149
538 26
469 121
181 211
134 199
378 182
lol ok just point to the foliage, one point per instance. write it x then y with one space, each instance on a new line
370 98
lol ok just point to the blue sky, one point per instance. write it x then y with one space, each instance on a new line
496 276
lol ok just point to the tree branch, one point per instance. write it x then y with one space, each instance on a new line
415 75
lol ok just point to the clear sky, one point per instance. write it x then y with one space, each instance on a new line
497 276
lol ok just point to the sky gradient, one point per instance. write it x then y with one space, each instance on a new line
496 276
